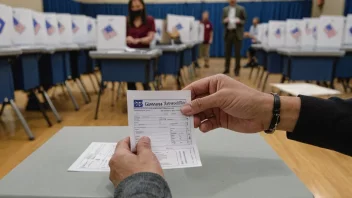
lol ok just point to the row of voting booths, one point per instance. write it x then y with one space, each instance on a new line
309 49
118 63
41 51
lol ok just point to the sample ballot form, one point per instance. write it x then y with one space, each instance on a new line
157 115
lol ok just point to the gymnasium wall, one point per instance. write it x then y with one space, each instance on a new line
31 4
331 7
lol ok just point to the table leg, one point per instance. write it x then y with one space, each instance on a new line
64 91
93 83
256 77
85 88
83 92
71 96
98 102
41 107
51 105
112 94
119 90
265 81
261 78
250 73
23 121
2 108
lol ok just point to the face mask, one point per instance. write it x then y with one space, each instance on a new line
136 13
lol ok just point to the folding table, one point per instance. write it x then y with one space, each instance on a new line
344 67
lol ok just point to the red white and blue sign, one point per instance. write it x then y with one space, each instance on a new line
19 27
49 28
2 25
109 32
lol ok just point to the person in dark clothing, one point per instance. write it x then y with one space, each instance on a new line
140 30
252 34
222 102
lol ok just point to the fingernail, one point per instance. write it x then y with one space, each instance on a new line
145 139
186 109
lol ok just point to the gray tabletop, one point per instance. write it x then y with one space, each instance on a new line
61 48
122 54
234 165
311 52
257 46
87 46
347 48
171 48
32 49
10 51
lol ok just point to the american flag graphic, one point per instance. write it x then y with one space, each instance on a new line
75 28
61 27
158 31
36 26
308 29
90 27
350 30
296 33
109 32
2 25
49 28
315 33
179 27
330 31
19 27
278 33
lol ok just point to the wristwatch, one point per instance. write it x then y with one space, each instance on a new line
276 114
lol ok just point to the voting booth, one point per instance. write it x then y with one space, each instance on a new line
293 33
195 31
40 34
330 31
111 34
265 33
348 31
309 28
159 28
6 26
51 26
79 29
201 32
182 24
92 30
23 33
65 28
276 33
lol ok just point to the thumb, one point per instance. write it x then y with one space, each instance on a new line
200 104
143 145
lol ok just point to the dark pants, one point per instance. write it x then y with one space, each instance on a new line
230 41
132 86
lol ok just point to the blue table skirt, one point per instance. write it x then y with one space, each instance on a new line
26 72
79 64
67 60
274 63
344 66
309 68
260 54
187 57
169 63
6 81
52 69
195 53
127 70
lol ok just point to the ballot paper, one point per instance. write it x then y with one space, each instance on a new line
95 158
157 115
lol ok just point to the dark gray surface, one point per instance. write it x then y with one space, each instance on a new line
234 165
10 51
311 52
31 49
122 54
258 46
87 46
61 48
171 48
347 48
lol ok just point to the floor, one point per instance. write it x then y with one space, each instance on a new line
326 173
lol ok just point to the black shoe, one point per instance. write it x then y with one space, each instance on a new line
226 71
248 65
254 64
206 66
237 73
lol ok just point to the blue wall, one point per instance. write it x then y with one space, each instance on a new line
276 10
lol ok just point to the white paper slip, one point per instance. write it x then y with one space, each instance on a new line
157 115
95 158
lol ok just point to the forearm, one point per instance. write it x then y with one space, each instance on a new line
146 40
143 185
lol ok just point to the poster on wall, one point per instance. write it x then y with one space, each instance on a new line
309 28
111 34
6 26
181 24
64 27
293 33
40 34
52 31
348 31
276 34
330 31
79 29
23 28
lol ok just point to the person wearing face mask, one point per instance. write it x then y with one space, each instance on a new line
140 30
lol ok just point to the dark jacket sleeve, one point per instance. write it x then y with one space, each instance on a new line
325 123
143 185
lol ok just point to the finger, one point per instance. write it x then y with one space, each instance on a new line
123 145
143 145
208 125
199 87
198 119
200 104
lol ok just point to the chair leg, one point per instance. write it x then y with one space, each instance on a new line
265 81
23 121
2 108
73 99
261 78
282 79
51 105
256 77
41 108
83 92
85 88
112 94
98 102
119 90
250 73
93 83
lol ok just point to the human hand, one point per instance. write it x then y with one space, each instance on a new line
246 34
129 39
254 40
136 41
226 20
210 41
222 102
124 163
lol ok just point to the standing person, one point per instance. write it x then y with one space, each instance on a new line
208 38
233 18
252 34
140 30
